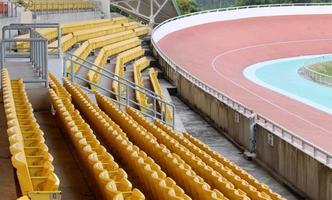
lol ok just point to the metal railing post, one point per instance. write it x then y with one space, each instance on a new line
59 40
71 71
155 106
46 63
64 66
2 54
127 95
173 116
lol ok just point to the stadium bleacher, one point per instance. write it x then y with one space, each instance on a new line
140 65
87 47
154 181
165 109
30 156
50 5
111 181
121 60
108 51
123 154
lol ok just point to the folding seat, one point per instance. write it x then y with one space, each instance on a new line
134 195
36 151
47 183
15 138
41 170
39 159
19 162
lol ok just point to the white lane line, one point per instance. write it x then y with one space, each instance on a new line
255 94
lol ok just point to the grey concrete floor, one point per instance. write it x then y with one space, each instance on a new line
7 174
198 127
72 183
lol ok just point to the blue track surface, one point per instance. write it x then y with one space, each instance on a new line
282 76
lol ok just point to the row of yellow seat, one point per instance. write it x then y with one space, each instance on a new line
226 168
173 165
121 60
108 51
38 5
165 109
140 65
154 182
211 176
173 140
108 180
67 30
82 35
57 87
30 155
236 169
88 46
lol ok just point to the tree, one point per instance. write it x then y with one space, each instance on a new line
187 6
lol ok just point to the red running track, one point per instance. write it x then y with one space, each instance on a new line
217 53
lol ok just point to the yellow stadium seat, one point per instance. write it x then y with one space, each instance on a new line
140 164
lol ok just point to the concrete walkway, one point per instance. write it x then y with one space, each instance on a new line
198 127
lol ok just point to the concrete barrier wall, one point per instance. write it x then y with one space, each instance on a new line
297 168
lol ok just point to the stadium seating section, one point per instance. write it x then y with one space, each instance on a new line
108 51
108 179
30 155
140 65
88 46
165 109
121 60
154 181
139 157
51 5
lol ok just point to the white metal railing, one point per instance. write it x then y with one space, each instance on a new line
122 97
243 7
314 75
297 141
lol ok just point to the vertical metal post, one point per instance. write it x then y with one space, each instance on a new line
59 39
119 91
72 71
46 63
173 116
43 58
154 107
2 54
64 67
3 33
38 57
31 47
10 36
127 95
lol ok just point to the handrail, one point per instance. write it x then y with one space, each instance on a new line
128 85
77 58
314 75
297 141
240 8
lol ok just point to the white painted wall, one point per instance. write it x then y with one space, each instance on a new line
203 18
67 17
